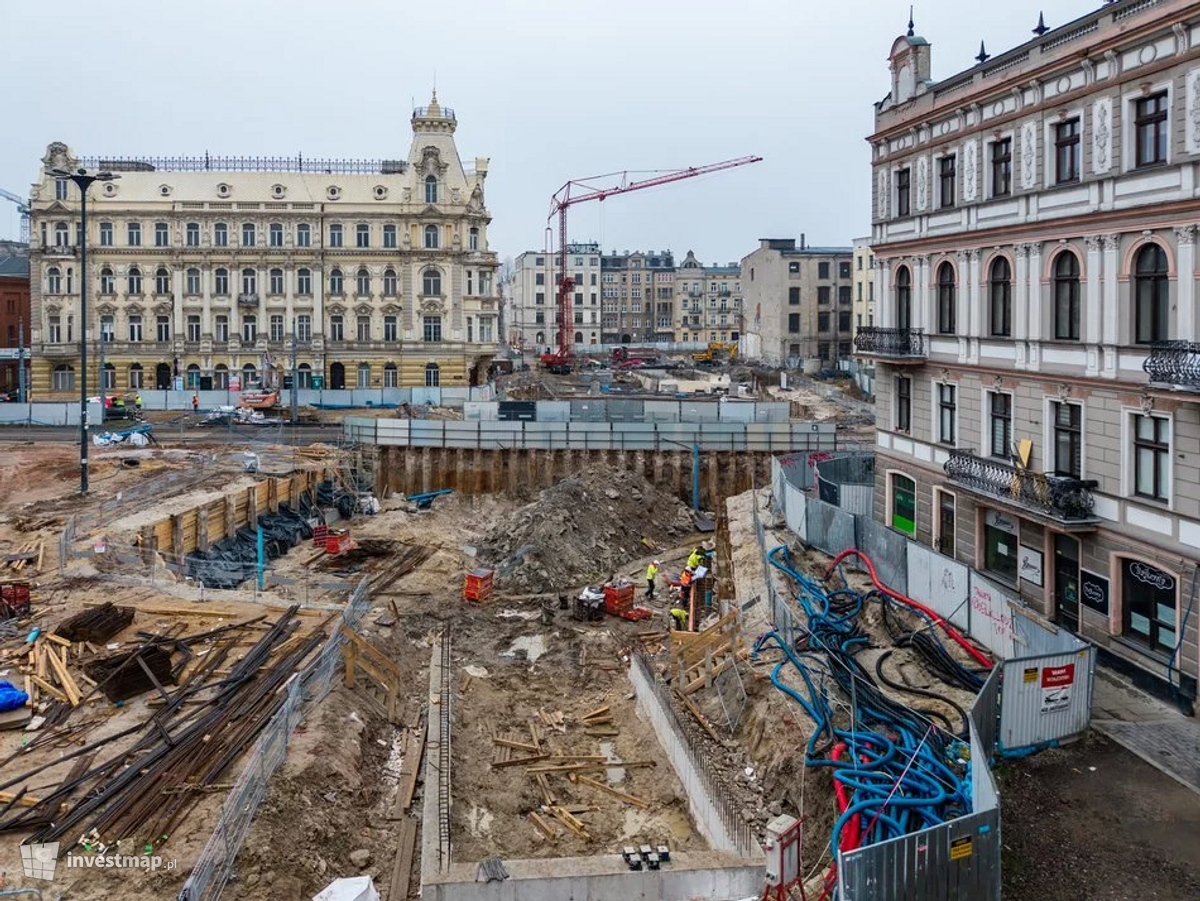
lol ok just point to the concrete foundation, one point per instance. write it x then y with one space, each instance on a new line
413 470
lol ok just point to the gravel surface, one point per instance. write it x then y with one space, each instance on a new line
1095 822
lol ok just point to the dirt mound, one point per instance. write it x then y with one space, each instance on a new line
581 530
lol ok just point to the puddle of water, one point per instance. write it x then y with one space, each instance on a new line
671 824
479 821
534 647
614 774
477 672
519 614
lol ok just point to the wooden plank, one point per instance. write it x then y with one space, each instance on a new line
599 711
700 717
21 800
543 827
49 689
411 767
570 822
50 636
516 745
520 761
402 866
64 678
628 799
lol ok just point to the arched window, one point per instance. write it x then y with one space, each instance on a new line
431 237
53 280
1000 299
276 284
431 189
364 283
946 299
431 283
248 234
249 329
249 375
221 377
221 282
539 338
162 281
304 376
304 281
110 376
335 281
107 282
249 281
63 377
389 282
433 375
137 377
193 375
1151 300
62 235
135 281
1066 297
364 375
391 376
473 238
903 298
192 281
579 337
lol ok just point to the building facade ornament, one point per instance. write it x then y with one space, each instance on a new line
1185 234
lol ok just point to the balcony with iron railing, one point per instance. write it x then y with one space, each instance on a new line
1174 365
248 300
1063 500
897 345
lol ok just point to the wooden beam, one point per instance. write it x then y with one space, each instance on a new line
628 799
402 866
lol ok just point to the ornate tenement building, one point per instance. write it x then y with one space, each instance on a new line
710 301
637 297
202 270
1038 374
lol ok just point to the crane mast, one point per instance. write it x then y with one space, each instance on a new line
588 190
22 208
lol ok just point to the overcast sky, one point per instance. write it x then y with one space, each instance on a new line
548 91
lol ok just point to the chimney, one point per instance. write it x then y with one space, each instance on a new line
802 244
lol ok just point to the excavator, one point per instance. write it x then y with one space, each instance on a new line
717 351
264 395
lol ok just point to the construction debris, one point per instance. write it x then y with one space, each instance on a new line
96 624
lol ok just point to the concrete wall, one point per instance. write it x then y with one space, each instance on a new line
603 878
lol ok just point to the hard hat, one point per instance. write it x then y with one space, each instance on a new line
657 562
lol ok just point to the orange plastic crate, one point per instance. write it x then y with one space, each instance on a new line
320 536
618 598
477 585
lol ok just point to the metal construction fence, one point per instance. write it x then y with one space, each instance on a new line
305 690
146 492
613 409
1038 693
734 835
509 435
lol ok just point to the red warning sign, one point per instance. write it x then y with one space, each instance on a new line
1056 687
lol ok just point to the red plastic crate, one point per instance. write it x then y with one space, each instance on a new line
618 598
14 599
320 536
477 585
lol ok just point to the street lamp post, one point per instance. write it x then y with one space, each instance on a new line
83 180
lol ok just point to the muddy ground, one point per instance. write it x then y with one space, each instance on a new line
1094 822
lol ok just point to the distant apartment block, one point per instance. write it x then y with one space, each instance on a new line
533 319
709 300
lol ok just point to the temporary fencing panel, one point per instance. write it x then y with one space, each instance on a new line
553 411
736 412
625 410
991 618
1044 699
941 583
888 551
475 411
830 529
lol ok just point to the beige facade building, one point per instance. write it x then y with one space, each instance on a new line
533 298
1038 334
797 304
863 275
709 301
202 270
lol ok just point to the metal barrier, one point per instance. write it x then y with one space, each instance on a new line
305 690
146 493
740 834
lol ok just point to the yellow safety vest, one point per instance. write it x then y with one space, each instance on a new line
651 572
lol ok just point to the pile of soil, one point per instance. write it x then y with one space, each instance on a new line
581 530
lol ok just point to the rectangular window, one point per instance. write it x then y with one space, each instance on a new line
1149 597
844 294
903 404
902 179
162 327
391 376
944 543
389 328
823 294
793 269
276 328
844 321
947 413
335 236
1000 547
1002 167
1000 411
249 329
364 328
336 328
106 234
947 180
248 236
1068 440
844 269
1066 152
193 328
55 330
904 504
389 237
135 234
220 235
1151 457
823 270
275 281
304 328
221 329
1150 123
794 323
161 238
135 328
822 322
303 235
433 329
276 235
192 234
60 189
362 236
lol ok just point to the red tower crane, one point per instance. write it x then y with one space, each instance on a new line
588 190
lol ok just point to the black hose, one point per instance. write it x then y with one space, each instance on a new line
923 692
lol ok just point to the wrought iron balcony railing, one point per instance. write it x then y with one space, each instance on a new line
1175 363
1058 497
877 341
